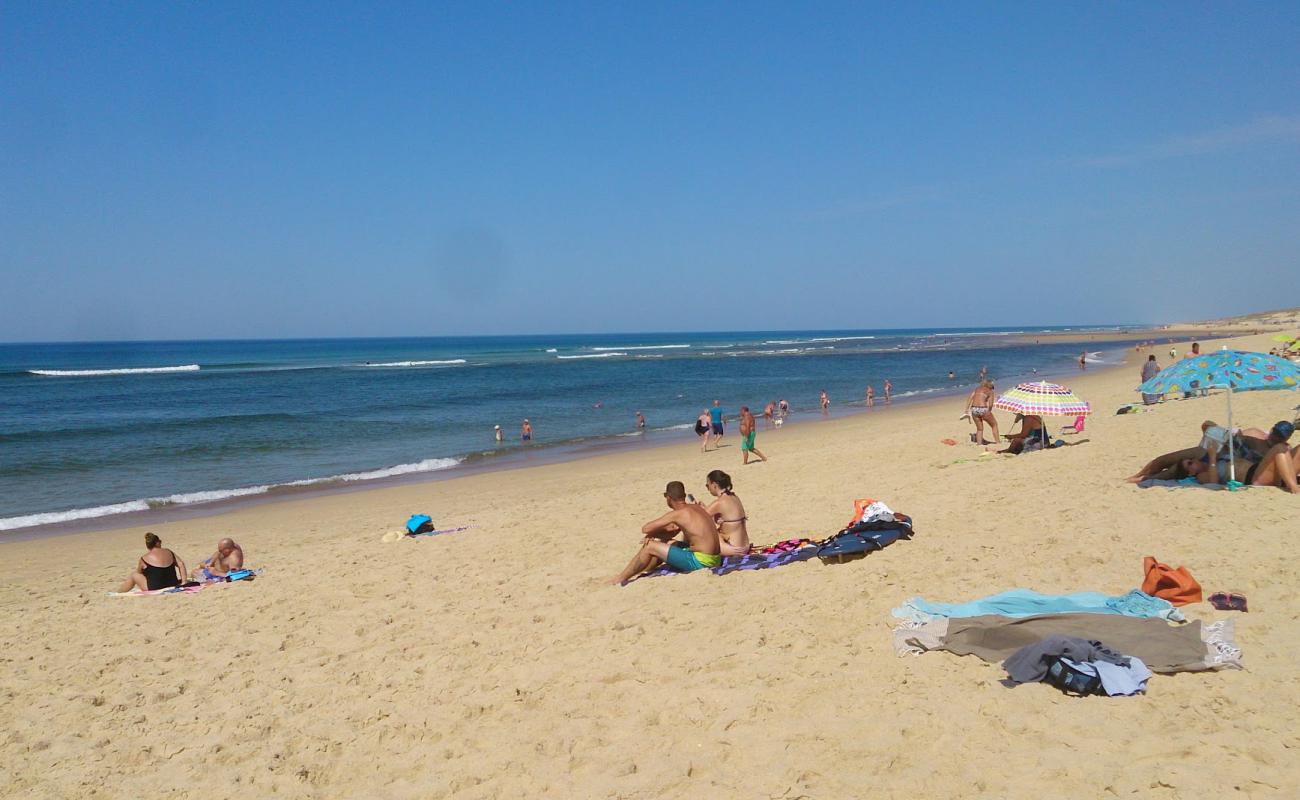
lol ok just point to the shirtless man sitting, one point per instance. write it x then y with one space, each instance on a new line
980 407
699 551
1031 426
228 558
729 514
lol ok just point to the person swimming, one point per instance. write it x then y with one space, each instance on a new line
728 514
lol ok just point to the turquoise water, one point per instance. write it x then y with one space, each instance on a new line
94 429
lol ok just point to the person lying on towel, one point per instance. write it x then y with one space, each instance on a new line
699 550
228 558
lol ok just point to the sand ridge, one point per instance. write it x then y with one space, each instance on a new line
493 663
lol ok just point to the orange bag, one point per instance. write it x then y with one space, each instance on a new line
1175 585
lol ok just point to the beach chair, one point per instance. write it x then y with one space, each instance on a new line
1077 427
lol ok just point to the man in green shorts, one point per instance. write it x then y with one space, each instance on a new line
700 550
748 433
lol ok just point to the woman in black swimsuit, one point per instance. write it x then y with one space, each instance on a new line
159 568
702 430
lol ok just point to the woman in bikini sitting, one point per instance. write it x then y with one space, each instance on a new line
159 568
728 513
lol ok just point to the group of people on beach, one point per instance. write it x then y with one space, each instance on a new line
711 426
161 568
1250 456
708 533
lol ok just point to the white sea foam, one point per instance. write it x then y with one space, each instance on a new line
82 373
193 498
645 347
594 355
552 350
418 363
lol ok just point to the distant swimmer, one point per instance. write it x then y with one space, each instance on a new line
784 407
951 375
984 373
769 413
826 402
596 405
498 434
1083 360
748 433
526 431
871 396
640 422
889 389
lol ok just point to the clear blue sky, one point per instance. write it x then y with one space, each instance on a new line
194 170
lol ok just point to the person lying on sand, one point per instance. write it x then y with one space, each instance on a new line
1278 467
700 550
1031 425
1168 467
728 513
228 558
159 568
980 408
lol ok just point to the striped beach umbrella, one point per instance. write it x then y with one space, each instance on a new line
1043 399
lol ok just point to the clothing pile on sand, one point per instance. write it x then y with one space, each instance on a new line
1083 643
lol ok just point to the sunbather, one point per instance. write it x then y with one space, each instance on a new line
699 551
1278 466
228 558
159 568
1031 425
979 405
729 514
1170 465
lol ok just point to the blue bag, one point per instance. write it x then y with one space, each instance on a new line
418 523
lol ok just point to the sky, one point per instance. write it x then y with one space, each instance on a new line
265 170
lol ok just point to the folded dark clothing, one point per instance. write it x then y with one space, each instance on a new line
1029 664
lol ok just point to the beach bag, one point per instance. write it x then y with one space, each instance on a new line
1175 585
418 523
1071 680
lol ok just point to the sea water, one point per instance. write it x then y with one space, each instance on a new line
95 429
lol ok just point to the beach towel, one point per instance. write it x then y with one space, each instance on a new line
432 532
751 561
1162 647
192 587
1189 483
855 543
1025 603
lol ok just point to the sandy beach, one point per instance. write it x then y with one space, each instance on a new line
494 662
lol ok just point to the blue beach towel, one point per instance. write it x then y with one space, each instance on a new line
1027 603
749 562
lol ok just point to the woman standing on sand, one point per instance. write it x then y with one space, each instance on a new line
159 568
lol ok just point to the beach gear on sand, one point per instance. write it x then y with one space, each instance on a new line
1025 603
1162 647
1234 370
1175 585
418 523
1043 399
193 586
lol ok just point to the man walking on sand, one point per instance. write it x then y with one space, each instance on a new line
716 418
748 433
701 549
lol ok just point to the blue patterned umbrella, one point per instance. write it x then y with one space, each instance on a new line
1234 370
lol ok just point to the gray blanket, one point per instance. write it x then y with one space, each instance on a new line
1163 647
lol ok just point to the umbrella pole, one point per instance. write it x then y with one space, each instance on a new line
1232 455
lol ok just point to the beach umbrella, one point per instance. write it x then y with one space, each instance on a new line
1043 399
1234 370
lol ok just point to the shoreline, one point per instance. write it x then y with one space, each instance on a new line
517 457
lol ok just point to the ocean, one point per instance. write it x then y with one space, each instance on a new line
89 430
